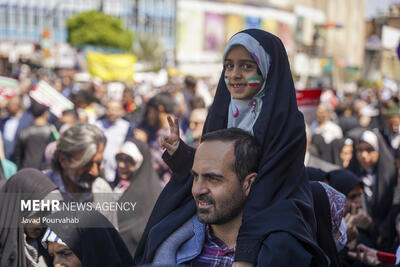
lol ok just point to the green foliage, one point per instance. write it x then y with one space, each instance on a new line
96 28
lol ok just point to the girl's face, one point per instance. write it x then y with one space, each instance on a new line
241 77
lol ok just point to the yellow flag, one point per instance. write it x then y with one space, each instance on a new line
111 67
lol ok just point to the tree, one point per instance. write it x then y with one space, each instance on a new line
97 28
148 48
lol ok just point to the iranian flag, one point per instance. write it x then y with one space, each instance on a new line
8 87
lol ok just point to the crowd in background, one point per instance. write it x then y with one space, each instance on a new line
358 131
136 111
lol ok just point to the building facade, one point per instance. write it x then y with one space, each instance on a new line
27 20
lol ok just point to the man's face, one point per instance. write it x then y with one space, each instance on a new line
196 124
366 155
85 175
152 116
63 256
219 195
322 113
127 97
353 200
393 123
14 105
114 111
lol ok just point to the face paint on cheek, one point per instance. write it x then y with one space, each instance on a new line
226 81
254 81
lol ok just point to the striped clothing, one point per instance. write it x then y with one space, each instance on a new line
214 253
50 236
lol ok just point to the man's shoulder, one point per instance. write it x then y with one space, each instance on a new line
44 130
330 125
100 185
283 249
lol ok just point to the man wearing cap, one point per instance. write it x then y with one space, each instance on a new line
374 164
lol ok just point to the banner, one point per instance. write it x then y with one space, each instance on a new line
48 96
307 101
214 32
8 87
111 67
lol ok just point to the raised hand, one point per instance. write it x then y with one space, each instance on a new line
171 142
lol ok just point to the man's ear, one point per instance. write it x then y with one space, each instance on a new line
248 181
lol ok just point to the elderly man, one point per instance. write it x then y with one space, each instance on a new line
201 229
76 166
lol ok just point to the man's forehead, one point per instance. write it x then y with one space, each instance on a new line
216 146
214 154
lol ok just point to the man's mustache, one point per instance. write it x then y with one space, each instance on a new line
205 198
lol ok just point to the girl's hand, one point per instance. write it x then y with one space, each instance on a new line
171 142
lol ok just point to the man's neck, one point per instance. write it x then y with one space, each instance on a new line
16 115
322 123
40 121
227 232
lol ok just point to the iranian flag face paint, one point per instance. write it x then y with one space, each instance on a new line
226 81
254 81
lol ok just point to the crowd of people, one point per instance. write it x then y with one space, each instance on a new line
241 181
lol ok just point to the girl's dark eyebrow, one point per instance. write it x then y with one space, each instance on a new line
242 60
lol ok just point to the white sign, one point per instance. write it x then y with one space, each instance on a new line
390 37
48 96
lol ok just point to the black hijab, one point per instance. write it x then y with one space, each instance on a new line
324 223
343 180
315 174
25 184
386 179
144 190
280 130
93 239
